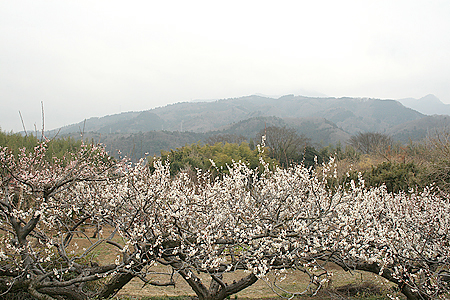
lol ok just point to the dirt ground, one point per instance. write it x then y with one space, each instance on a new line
295 281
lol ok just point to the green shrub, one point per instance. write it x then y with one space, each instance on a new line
197 156
395 176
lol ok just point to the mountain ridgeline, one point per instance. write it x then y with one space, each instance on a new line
323 120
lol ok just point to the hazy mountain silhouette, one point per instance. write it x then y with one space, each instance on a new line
428 105
350 114
420 129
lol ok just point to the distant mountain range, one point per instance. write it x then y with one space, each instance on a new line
350 114
325 120
428 105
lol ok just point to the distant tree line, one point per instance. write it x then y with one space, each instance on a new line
372 156
215 158
57 147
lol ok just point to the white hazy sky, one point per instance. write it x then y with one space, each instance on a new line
93 58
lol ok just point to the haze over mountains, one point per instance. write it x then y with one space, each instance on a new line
325 120
428 105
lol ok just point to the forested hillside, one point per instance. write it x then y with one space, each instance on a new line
350 114
324 121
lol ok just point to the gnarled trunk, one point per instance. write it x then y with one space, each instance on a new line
114 285
387 274
218 289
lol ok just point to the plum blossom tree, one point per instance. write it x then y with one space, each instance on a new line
290 219
44 204
402 237
262 221
244 220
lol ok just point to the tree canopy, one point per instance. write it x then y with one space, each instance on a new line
284 144
369 142
55 147
215 158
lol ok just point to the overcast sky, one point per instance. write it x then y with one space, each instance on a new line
93 58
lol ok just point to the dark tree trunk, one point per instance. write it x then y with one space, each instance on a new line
69 293
114 285
218 290
387 274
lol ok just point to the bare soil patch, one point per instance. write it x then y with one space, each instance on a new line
343 285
